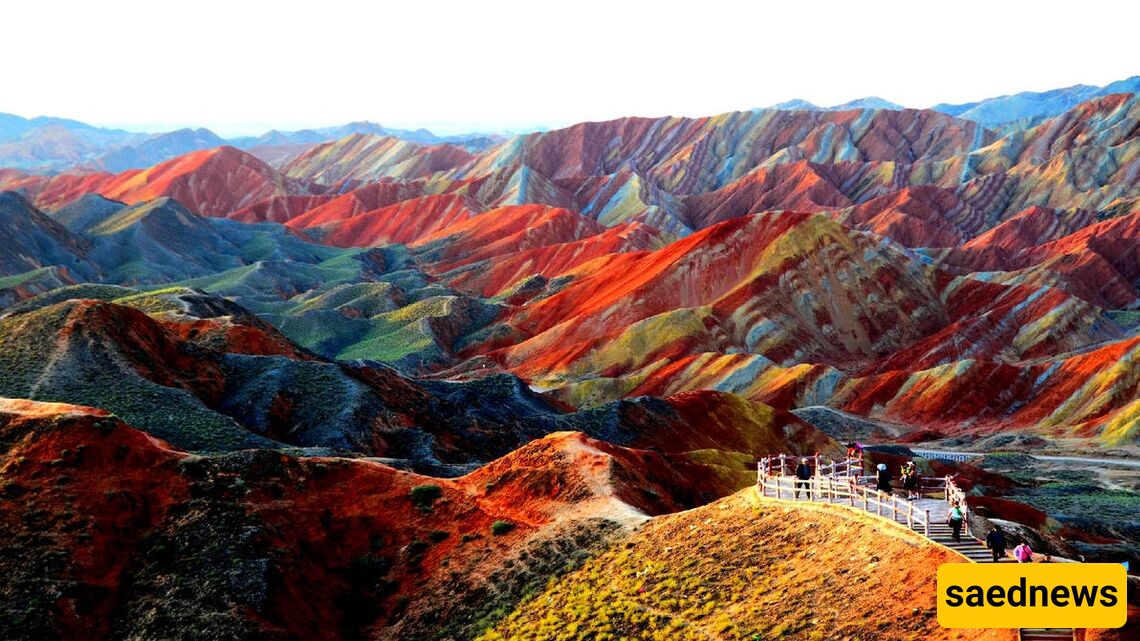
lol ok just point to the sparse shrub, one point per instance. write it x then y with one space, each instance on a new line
437 536
238 485
423 496
416 548
500 527
375 541
367 570
12 489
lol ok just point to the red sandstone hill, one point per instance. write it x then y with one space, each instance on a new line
1099 262
1080 395
684 316
923 216
405 222
364 158
497 274
676 286
711 289
1027 230
504 230
213 182
203 373
952 249
793 186
280 209
263 544
666 147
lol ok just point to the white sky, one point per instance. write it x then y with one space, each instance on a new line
239 66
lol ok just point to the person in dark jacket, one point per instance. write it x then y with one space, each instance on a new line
883 479
803 474
995 541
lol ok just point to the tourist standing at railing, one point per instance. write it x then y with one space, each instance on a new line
883 479
803 475
954 519
910 480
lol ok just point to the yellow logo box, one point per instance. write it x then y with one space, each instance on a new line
1032 595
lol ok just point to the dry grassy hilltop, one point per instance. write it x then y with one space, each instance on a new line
748 568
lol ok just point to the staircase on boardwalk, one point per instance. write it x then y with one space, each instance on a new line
839 482
1045 634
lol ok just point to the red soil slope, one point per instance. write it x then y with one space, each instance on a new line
505 230
405 222
787 186
357 201
753 270
497 274
350 551
1065 396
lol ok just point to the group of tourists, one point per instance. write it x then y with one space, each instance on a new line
912 486
996 542
911 481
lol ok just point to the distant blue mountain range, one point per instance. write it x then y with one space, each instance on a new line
58 144
1028 106
1034 105
870 102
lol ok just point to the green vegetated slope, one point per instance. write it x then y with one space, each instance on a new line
347 303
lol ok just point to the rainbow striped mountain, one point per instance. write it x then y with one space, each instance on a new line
644 304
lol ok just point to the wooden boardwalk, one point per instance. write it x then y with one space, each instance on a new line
1045 634
896 509
926 516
